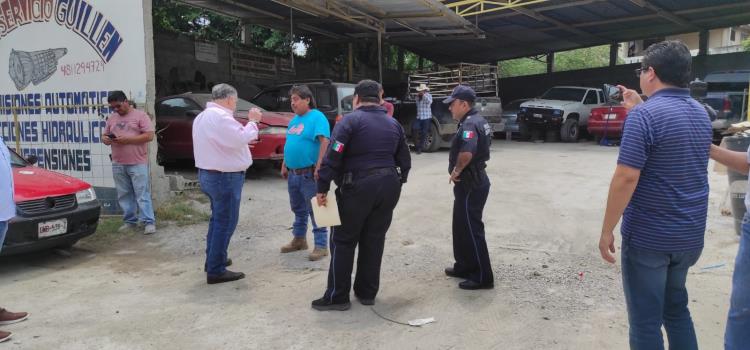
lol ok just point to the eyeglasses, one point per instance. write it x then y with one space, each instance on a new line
638 71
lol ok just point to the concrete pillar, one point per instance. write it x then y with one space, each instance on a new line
550 63
703 43
614 48
380 57
246 35
350 69
159 182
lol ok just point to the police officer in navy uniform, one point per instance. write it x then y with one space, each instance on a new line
469 153
369 160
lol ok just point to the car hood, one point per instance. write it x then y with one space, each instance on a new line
554 104
33 183
268 118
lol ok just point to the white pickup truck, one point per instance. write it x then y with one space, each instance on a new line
562 109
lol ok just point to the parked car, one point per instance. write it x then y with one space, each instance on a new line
607 120
727 95
329 97
174 125
510 115
52 209
562 109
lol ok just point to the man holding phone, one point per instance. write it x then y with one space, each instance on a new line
128 132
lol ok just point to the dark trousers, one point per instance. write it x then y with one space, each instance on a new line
224 190
366 209
469 245
421 128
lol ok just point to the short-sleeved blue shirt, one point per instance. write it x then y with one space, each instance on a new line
668 138
302 139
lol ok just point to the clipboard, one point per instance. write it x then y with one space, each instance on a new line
326 216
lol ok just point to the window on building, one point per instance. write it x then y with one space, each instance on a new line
732 35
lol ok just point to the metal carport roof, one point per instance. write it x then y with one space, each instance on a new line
485 31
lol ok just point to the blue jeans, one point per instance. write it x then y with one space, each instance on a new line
421 128
655 294
738 322
134 192
224 190
302 189
3 231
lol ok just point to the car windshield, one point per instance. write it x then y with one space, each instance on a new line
16 160
564 94
242 105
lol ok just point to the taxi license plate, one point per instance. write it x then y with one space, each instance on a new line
53 228
537 115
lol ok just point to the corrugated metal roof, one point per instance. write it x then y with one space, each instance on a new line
436 32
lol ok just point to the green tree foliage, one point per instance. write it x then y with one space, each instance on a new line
746 44
590 57
175 17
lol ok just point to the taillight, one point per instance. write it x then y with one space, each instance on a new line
595 114
339 117
727 105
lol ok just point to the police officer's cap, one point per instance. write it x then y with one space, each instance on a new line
367 88
462 92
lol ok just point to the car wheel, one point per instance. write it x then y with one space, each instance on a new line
569 131
523 129
432 144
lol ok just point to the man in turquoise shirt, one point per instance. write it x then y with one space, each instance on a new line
306 143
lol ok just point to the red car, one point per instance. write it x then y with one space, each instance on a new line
174 128
607 120
52 209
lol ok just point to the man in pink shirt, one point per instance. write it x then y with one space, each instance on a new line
128 132
222 154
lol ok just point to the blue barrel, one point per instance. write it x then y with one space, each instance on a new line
737 181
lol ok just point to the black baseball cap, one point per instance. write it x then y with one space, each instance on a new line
367 88
462 92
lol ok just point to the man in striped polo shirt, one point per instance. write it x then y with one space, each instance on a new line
660 189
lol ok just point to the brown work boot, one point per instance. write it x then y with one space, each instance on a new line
318 253
7 317
297 243
4 336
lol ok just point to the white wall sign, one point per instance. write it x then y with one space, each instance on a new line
57 57
206 52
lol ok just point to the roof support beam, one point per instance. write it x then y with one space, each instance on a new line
467 8
665 14
335 9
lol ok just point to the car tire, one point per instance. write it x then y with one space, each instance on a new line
523 130
432 144
569 132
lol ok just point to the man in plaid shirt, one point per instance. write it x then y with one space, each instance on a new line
423 123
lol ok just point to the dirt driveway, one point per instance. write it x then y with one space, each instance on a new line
543 217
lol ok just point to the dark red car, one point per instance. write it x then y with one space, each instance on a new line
607 120
52 209
174 128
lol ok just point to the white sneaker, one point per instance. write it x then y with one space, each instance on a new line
149 229
127 227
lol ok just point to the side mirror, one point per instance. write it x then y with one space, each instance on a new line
612 93
33 159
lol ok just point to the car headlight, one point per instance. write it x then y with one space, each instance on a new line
273 130
557 112
85 196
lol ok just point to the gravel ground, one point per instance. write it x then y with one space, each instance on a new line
543 217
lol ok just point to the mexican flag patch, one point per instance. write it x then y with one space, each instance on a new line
469 135
338 147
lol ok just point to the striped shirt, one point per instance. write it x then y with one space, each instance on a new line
424 109
668 138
